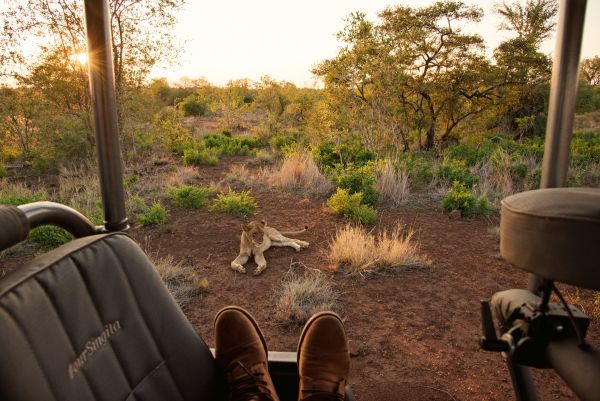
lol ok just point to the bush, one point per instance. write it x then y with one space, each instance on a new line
226 144
190 196
417 166
282 140
462 198
235 202
351 207
351 150
197 157
362 253
361 180
301 296
3 172
47 237
153 215
455 170
192 106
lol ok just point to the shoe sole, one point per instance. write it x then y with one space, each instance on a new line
307 326
252 320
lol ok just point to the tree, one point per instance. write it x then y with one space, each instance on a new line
590 70
415 71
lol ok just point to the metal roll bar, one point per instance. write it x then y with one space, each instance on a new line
104 103
51 213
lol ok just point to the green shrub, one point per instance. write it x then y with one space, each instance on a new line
282 140
351 207
455 170
518 171
460 197
235 202
3 172
350 150
417 166
47 237
192 106
361 180
197 157
19 195
153 215
226 144
190 196
585 148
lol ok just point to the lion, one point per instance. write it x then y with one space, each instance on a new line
256 238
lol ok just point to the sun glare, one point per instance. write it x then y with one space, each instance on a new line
81 58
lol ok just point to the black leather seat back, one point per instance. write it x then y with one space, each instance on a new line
92 320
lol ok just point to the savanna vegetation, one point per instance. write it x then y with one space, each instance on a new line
412 110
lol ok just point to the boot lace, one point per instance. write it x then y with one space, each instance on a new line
249 386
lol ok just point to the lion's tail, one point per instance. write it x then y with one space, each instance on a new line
294 232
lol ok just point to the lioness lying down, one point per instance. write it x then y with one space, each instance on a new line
257 238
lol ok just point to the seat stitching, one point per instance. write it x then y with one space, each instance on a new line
115 253
33 351
150 373
93 301
36 279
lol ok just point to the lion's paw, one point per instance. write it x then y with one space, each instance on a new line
259 270
238 268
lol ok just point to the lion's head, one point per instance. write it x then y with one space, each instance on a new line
255 231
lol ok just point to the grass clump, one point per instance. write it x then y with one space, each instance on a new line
197 156
18 194
235 202
362 253
190 196
179 278
156 214
301 296
393 184
351 206
459 197
299 171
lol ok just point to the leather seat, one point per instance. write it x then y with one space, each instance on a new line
554 233
91 320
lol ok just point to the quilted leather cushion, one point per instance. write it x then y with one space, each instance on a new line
92 320
554 233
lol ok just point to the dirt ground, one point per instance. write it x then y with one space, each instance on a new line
414 334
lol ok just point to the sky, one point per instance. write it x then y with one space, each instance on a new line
231 39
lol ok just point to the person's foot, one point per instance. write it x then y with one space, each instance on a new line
323 358
241 352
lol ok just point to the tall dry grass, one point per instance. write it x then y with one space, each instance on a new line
183 175
392 184
298 171
362 253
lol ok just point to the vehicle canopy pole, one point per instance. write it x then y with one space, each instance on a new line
563 93
104 103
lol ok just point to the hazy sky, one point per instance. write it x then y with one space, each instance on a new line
231 39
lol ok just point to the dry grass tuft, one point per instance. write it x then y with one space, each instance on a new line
301 296
392 184
362 253
183 175
298 171
179 278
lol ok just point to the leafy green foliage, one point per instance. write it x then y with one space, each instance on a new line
282 140
460 197
226 144
235 202
350 150
156 214
3 172
361 180
195 156
193 106
455 170
351 206
190 196
47 237
20 195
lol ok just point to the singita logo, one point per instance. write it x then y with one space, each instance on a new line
92 346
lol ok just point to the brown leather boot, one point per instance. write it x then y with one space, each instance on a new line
323 359
241 352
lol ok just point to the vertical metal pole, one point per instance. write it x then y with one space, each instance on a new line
102 87
563 93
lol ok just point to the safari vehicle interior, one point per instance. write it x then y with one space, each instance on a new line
64 306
